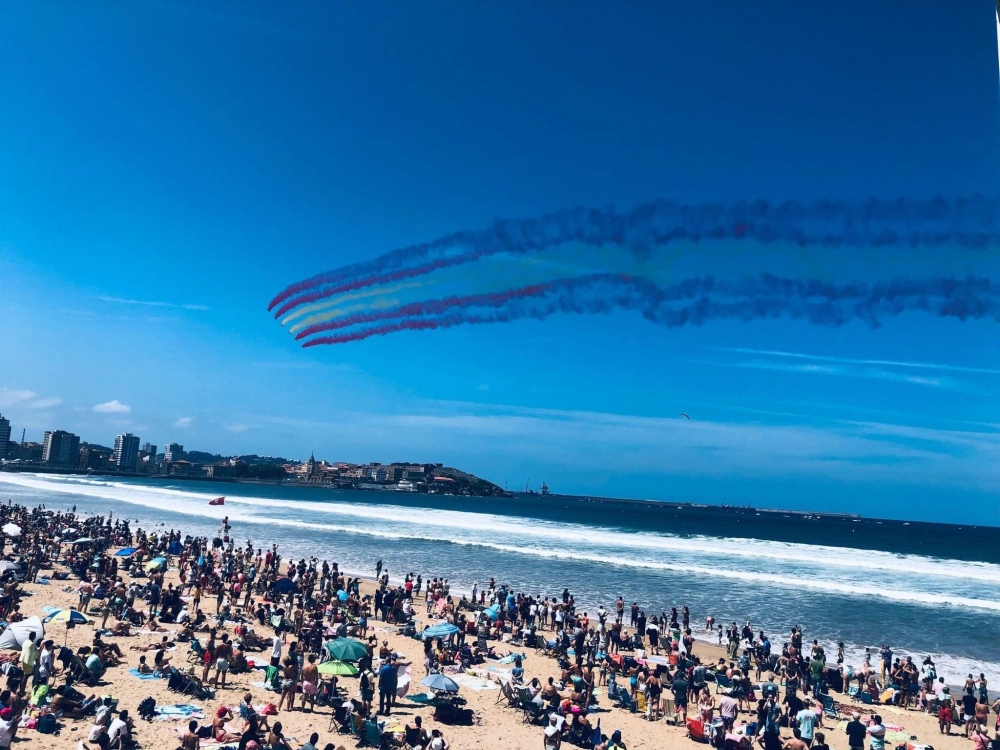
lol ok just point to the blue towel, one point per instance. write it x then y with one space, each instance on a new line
141 676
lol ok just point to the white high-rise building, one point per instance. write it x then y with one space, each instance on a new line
173 452
126 453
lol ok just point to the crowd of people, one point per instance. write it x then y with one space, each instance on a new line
241 607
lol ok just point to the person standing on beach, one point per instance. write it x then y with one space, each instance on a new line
876 731
856 732
807 719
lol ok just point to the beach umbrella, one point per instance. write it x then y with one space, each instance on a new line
68 615
347 649
156 562
339 668
126 552
83 540
284 585
343 595
175 548
492 613
441 630
14 636
11 529
440 683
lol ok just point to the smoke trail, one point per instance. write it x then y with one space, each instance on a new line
439 306
972 223
764 297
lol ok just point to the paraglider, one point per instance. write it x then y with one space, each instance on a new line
682 414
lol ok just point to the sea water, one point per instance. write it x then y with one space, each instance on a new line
925 589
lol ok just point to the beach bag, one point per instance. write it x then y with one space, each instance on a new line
46 724
147 708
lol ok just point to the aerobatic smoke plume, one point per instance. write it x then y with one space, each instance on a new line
826 262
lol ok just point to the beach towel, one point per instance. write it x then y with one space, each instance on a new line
180 711
475 683
510 658
139 675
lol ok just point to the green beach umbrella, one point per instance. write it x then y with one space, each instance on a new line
347 649
339 668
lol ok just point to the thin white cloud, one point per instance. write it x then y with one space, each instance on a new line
152 303
849 361
11 397
237 427
27 399
113 407
183 422
45 403
874 373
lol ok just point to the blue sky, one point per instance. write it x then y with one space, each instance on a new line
168 167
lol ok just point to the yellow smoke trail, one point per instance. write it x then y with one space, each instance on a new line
349 297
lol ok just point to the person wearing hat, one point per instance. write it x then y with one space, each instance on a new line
553 733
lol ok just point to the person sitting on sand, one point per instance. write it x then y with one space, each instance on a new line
143 667
120 732
276 738
219 731
614 742
63 704
190 739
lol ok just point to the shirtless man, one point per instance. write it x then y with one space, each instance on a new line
223 653
310 682
794 742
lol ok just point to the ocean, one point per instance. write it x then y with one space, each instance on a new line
925 589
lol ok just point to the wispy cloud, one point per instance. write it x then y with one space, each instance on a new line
152 303
12 397
113 407
27 399
237 427
849 361
183 422
45 403
875 373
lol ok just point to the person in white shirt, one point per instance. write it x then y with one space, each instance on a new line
120 732
276 645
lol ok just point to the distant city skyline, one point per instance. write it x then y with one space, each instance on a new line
169 169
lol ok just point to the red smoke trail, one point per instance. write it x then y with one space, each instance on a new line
421 324
385 278
438 306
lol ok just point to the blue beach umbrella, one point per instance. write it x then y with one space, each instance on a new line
342 595
442 630
175 548
440 683
492 613
126 552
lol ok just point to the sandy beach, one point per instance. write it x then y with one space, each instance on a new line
499 726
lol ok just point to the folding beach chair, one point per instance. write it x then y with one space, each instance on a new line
374 736
829 706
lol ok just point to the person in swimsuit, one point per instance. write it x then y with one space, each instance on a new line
219 732
310 682
653 690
